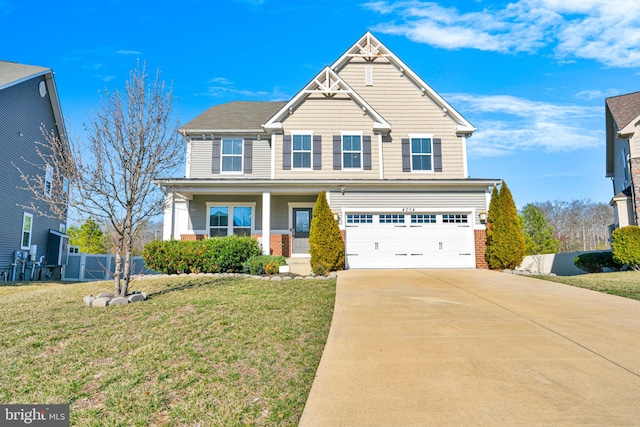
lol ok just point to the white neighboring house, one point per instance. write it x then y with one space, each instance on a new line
387 149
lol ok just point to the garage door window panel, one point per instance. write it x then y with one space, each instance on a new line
391 219
359 219
423 219
454 219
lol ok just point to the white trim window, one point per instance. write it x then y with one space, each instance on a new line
232 155
351 151
421 153
301 150
224 219
48 180
27 230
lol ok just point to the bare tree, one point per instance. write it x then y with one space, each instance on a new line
579 225
132 139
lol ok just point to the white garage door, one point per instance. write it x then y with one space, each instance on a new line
416 240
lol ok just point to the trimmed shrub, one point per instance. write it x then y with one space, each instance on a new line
215 255
325 241
625 246
264 264
596 262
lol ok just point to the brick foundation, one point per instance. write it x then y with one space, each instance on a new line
193 237
480 238
280 244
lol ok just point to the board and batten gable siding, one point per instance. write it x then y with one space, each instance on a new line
22 111
445 201
327 117
201 158
401 103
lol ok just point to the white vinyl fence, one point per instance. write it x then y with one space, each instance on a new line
89 267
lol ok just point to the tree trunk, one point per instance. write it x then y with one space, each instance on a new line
116 274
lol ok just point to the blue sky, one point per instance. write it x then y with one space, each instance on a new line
531 75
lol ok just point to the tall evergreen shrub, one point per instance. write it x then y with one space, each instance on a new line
505 242
325 241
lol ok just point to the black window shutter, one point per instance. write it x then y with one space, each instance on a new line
437 155
215 161
337 152
317 152
286 152
248 156
366 152
406 155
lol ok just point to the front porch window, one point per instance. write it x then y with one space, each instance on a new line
240 225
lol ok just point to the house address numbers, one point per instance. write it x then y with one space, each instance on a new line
408 209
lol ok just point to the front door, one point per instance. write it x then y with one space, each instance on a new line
300 230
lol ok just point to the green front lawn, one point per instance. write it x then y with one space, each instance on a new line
624 283
200 351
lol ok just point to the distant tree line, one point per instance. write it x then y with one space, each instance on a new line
579 225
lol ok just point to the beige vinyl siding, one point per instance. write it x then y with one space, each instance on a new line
402 104
423 201
328 117
202 156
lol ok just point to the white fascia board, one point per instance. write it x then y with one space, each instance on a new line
629 129
464 126
196 131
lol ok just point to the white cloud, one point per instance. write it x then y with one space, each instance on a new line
507 124
588 29
591 94
128 52
223 87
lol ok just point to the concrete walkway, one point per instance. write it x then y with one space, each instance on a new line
473 347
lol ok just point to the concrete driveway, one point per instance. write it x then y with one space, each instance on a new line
474 347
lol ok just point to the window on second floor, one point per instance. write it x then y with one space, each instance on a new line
232 155
48 180
301 151
351 152
421 154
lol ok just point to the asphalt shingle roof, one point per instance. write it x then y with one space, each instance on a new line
624 108
237 115
12 71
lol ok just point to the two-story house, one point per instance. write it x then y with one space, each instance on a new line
387 149
622 114
28 100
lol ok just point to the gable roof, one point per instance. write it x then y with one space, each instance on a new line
329 84
233 116
369 47
12 73
624 108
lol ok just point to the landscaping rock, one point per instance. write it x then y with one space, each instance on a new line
105 295
309 278
144 295
287 278
119 301
88 300
100 302
276 278
135 297
507 271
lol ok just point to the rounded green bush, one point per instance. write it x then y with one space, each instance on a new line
625 246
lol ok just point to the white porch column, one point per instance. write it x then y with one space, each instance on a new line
266 223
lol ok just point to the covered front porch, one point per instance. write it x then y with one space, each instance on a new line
279 219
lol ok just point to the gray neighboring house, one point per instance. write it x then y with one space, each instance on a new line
623 156
28 100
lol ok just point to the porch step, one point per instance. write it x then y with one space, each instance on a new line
299 266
